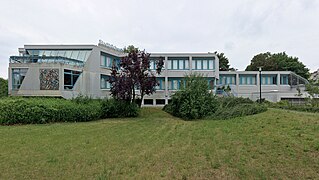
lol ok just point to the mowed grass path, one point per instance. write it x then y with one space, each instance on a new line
275 144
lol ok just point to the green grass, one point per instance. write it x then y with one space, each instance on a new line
275 144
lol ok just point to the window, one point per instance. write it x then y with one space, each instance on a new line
227 79
18 76
284 79
102 62
148 101
105 84
269 79
161 84
160 101
70 78
203 63
247 80
178 63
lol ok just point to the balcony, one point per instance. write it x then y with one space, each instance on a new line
45 59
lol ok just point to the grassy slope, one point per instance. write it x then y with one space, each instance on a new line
275 144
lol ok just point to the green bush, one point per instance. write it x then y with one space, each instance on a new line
194 101
46 110
116 108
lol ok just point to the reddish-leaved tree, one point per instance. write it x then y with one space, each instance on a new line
134 74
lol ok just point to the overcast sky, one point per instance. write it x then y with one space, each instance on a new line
240 29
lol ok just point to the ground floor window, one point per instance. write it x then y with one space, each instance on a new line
148 101
18 75
160 101
70 78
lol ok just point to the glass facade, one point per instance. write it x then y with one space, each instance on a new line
70 78
18 75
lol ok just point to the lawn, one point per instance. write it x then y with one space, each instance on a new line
277 144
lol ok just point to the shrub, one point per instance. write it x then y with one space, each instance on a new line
46 110
239 110
194 101
116 108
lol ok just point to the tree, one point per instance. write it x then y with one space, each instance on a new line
134 74
130 48
223 62
3 87
278 62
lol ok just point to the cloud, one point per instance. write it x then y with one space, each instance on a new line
240 29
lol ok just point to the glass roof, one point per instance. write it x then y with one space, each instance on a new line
81 55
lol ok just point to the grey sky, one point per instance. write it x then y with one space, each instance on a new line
240 29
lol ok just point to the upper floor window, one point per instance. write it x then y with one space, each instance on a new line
70 78
203 63
247 79
178 63
268 79
18 75
284 79
109 61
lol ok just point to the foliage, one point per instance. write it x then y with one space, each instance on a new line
312 89
134 74
223 62
311 106
231 107
130 48
116 108
278 62
46 110
194 101
3 87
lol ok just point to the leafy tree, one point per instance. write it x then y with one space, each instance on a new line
278 62
223 62
313 91
3 87
130 48
134 74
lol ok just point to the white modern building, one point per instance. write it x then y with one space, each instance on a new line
70 70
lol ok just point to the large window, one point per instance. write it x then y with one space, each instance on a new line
70 78
105 84
175 83
268 79
247 79
203 63
18 75
227 79
108 60
161 85
178 63
284 79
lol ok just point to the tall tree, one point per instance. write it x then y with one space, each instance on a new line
3 87
278 62
223 62
134 74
